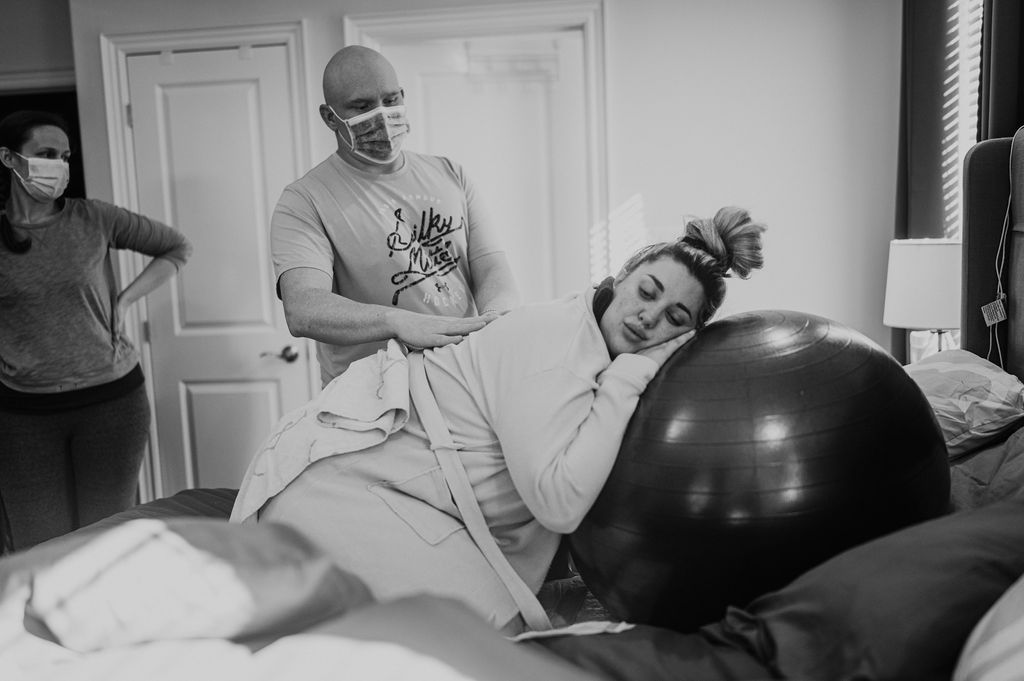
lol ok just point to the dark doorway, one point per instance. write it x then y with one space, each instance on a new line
65 104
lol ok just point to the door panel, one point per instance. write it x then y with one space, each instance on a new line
212 134
510 110
209 406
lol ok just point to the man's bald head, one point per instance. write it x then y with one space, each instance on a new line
358 80
357 70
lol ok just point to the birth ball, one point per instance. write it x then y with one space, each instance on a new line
769 443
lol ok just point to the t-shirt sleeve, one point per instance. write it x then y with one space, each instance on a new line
131 231
481 234
297 235
560 435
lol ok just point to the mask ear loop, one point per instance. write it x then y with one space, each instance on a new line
11 168
7 236
350 142
21 178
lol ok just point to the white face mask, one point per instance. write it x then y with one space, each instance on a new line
47 177
376 136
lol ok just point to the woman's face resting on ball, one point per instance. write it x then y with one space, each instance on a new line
654 310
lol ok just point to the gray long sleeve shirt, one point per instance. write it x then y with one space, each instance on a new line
58 301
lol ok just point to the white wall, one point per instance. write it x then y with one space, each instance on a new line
786 107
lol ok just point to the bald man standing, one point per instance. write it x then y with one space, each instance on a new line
376 242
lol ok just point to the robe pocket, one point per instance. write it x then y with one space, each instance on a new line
424 503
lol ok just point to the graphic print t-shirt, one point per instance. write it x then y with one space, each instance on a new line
403 239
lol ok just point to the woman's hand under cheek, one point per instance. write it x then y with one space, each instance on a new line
662 351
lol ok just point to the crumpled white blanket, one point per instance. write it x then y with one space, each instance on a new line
359 409
139 602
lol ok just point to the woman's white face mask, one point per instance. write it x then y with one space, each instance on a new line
376 136
46 179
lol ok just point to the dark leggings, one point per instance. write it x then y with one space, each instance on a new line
62 470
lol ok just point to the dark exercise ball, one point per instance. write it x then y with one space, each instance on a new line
769 443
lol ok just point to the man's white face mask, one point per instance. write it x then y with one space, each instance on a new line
376 136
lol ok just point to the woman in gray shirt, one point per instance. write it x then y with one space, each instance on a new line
74 415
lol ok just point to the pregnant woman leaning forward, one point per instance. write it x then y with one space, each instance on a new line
455 471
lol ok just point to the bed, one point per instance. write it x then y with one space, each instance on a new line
170 590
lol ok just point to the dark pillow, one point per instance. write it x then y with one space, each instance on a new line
899 607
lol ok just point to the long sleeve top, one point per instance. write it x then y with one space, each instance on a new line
58 301
536 393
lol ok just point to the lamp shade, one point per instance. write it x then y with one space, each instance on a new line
922 288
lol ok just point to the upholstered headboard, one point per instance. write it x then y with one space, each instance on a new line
991 168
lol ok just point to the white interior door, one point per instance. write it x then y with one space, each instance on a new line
213 148
510 110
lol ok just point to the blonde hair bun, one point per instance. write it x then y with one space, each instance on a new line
730 237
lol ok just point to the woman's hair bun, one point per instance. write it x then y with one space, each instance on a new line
730 237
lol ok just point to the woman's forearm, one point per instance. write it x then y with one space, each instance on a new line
151 278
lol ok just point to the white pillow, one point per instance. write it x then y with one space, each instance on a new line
973 399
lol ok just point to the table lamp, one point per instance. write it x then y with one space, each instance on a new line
922 287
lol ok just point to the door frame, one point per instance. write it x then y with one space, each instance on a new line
586 16
115 49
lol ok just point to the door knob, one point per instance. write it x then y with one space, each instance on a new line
288 354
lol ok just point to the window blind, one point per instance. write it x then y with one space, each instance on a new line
961 85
